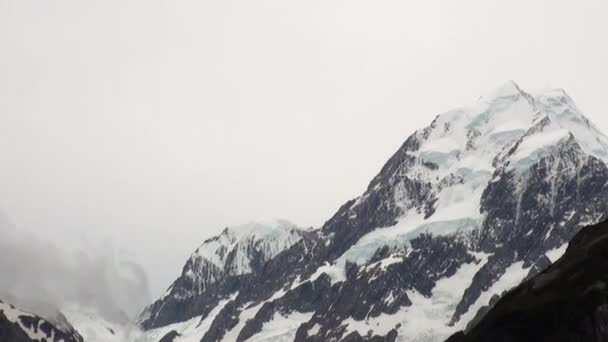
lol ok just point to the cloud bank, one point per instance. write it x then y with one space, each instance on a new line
42 277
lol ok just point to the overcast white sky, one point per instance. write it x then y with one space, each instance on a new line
155 124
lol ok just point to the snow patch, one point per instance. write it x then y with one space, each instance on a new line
282 328
244 316
557 253
314 330
536 146
335 272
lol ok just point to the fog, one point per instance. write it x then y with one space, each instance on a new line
43 278
131 131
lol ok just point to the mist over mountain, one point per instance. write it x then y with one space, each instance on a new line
44 278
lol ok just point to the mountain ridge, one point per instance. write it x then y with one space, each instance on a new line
234 253
460 202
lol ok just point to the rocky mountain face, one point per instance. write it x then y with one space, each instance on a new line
219 266
566 302
19 326
486 196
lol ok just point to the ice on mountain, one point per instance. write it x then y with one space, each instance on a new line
537 146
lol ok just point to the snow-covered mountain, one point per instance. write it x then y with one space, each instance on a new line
20 326
468 207
220 263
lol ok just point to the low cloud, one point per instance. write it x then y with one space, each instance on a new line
43 278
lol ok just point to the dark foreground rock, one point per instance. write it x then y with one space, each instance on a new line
567 302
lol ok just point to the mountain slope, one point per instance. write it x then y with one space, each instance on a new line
566 302
94 328
464 210
19 326
220 263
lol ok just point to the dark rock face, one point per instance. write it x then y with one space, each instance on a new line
566 302
170 336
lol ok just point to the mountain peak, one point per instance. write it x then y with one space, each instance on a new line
456 157
507 89
261 228
498 120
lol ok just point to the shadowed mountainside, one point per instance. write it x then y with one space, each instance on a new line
566 302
